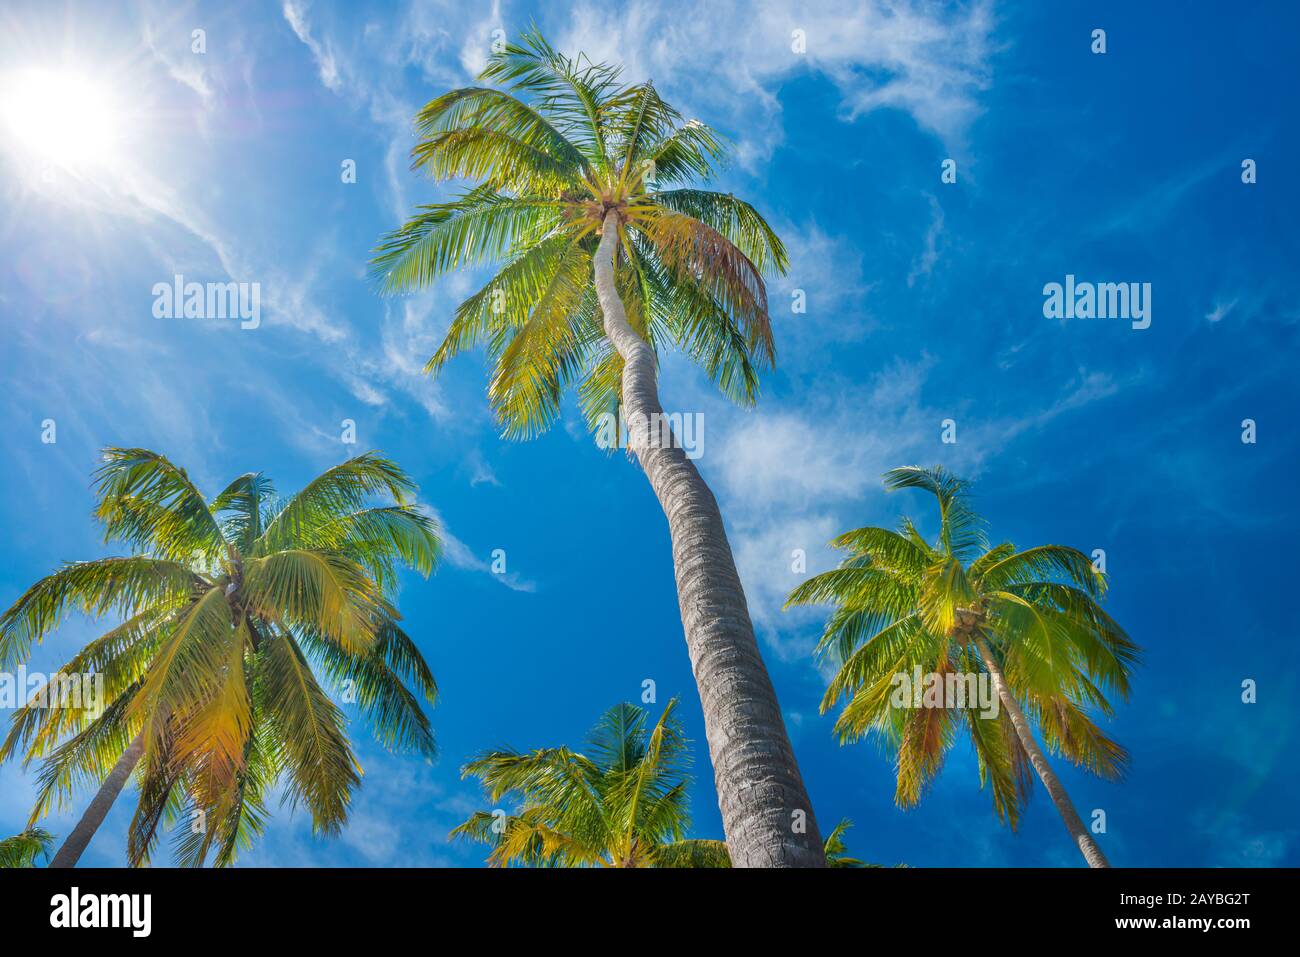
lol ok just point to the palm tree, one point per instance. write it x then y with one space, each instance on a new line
21 850
837 852
622 804
208 682
582 194
1029 621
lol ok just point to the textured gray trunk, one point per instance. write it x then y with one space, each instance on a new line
79 839
1087 846
766 813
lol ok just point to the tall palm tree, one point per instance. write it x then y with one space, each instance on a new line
1031 621
623 803
582 195
209 692
23 849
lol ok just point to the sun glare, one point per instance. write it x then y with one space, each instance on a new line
61 117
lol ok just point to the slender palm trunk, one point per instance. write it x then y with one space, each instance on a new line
79 839
766 813
1087 846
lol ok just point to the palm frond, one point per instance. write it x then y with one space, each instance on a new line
961 528
152 504
574 95
487 135
480 226
240 506
22 850
339 490
309 730
124 586
735 220
693 852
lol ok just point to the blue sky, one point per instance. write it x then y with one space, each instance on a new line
924 304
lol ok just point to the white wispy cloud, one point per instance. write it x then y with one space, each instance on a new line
929 255
322 51
478 40
1220 310
731 57
1233 841
827 270
184 67
481 471
459 555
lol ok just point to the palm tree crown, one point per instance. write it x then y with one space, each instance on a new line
23 849
565 144
837 852
902 602
226 605
622 803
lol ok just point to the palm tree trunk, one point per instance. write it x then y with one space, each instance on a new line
1087 846
766 813
79 839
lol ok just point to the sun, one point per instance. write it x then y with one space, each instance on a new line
61 117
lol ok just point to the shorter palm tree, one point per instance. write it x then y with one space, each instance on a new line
622 804
1029 621
837 852
230 607
23 849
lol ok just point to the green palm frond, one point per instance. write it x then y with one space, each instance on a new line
151 504
693 852
382 539
1046 562
961 529
837 851
1070 732
368 680
481 226
682 309
887 550
696 253
339 490
306 588
692 151
122 586
119 658
1003 764
23 850
84 759
232 823
575 95
241 504
487 135
544 353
